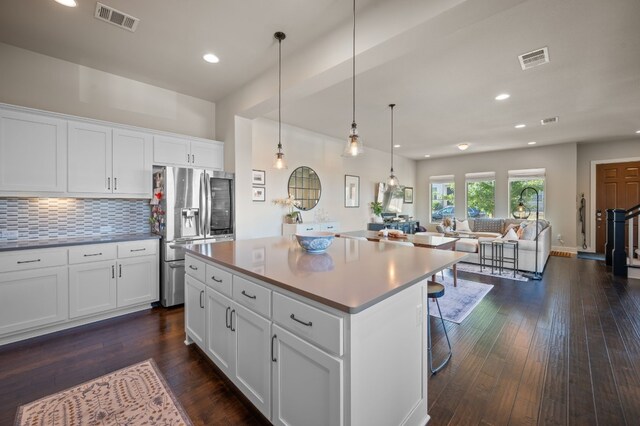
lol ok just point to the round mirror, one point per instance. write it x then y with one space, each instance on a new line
304 185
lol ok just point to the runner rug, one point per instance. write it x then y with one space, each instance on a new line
135 395
458 302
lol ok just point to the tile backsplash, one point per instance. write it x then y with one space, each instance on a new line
47 218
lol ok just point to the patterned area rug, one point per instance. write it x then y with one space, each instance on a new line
135 395
506 273
458 302
559 253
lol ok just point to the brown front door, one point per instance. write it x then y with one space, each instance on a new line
617 187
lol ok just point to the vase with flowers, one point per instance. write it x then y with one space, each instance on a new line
293 216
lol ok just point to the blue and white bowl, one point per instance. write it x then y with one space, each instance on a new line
315 241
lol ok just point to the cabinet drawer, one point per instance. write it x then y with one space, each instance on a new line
330 226
195 268
253 296
137 248
92 253
218 279
32 259
307 228
312 324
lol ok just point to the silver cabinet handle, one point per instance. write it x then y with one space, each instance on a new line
231 322
28 261
308 229
226 317
308 324
113 271
142 249
108 183
202 299
115 184
215 279
172 266
188 158
193 158
92 254
194 268
119 271
273 338
244 293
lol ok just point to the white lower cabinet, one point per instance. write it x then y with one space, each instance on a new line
307 383
92 288
220 339
33 298
194 320
46 290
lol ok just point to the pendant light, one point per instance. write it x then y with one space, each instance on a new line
279 162
354 144
392 181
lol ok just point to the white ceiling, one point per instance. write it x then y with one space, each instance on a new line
442 66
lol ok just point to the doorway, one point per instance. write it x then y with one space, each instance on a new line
617 187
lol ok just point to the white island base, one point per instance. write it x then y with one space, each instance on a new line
330 339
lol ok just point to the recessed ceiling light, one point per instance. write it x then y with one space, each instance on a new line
463 146
396 146
520 126
68 3
427 155
211 58
638 131
531 143
502 96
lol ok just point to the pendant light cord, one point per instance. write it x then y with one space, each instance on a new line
280 95
354 62
392 105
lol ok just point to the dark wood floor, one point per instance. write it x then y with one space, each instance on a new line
565 350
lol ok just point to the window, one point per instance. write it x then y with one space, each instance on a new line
521 179
481 194
442 197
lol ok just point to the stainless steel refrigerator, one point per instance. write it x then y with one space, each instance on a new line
191 206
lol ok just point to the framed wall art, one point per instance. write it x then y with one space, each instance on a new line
408 195
351 191
259 193
258 177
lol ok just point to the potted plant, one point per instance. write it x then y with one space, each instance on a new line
376 208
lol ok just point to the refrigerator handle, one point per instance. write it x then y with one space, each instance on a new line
208 206
202 203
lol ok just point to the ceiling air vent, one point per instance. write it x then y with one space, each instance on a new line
549 120
534 58
115 17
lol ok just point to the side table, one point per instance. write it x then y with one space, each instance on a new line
483 247
500 257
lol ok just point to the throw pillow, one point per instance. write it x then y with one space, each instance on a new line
488 225
510 235
520 232
530 230
462 226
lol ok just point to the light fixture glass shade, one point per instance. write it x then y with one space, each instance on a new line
279 162
393 182
521 211
354 144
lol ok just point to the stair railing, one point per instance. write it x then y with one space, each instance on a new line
632 214
616 254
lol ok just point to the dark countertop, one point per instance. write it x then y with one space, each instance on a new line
63 242
350 276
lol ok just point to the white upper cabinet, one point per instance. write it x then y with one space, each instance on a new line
169 150
32 152
90 158
105 160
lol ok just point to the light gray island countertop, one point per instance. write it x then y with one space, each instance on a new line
350 276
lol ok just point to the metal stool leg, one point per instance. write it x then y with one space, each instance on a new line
429 348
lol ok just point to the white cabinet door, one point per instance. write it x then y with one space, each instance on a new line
33 298
194 308
137 280
132 163
171 151
33 152
90 158
207 155
253 363
220 338
92 288
307 383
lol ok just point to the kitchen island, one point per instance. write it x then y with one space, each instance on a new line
336 338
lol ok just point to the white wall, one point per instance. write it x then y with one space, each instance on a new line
38 81
558 160
588 153
323 154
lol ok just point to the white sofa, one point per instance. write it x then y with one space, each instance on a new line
526 248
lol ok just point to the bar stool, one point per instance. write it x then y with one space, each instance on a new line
435 291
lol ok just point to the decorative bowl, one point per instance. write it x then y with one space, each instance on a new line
315 241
